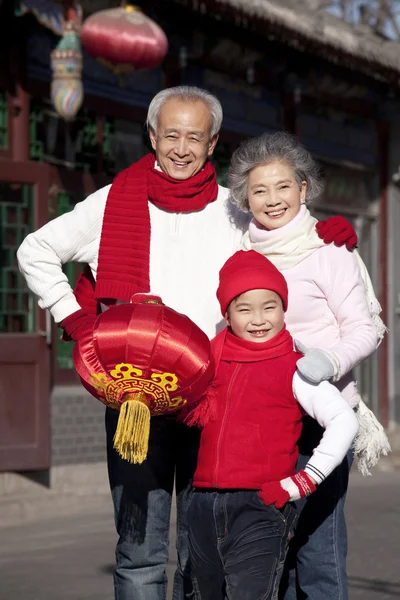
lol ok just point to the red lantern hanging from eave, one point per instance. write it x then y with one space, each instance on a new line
143 359
124 38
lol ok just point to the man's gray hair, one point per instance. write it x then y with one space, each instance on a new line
186 93
267 148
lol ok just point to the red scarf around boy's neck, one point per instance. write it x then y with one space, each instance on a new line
228 347
124 253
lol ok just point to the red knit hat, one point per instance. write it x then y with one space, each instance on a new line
246 271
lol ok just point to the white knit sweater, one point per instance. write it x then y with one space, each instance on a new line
187 251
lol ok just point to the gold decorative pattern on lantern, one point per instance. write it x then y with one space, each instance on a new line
127 379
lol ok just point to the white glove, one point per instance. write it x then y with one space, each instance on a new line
315 364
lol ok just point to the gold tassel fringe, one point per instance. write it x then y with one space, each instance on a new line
131 439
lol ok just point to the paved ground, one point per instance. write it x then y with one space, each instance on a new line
373 516
71 559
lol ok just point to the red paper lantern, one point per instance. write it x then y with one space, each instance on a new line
143 359
124 38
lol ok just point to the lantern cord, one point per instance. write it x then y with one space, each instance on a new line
131 438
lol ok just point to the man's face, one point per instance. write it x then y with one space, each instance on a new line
182 141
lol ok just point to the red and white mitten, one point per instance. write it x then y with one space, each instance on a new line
286 490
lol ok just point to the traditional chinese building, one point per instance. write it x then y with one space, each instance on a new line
274 65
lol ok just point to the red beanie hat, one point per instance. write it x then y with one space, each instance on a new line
249 270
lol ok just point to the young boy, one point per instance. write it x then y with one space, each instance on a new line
241 515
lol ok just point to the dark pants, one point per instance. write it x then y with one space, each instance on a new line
316 563
237 544
142 505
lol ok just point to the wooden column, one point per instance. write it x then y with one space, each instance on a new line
291 98
19 106
290 112
383 145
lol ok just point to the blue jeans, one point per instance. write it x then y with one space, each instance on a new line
142 505
316 564
237 545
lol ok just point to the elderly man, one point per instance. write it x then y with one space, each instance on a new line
163 225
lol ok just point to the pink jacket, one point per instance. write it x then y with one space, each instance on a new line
328 310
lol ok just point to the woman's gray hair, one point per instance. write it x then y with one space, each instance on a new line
267 148
186 93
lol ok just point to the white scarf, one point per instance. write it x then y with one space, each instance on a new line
289 245
285 248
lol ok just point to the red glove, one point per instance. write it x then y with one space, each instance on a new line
84 291
338 230
273 493
77 325
289 489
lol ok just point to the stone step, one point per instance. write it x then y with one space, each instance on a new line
70 490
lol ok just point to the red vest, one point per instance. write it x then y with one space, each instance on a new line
254 436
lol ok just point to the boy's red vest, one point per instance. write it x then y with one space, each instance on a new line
253 436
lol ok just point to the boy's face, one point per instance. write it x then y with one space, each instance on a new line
256 315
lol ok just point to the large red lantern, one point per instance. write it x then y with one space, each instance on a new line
143 359
124 38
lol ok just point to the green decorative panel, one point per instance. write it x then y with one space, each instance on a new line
124 143
109 159
36 143
221 159
90 143
65 203
73 145
17 304
3 120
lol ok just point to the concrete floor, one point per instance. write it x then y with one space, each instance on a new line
71 558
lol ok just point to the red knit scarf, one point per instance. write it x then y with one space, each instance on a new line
230 348
124 254
227 347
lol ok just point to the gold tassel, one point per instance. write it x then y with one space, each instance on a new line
131 439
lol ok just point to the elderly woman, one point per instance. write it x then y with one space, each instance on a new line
333 315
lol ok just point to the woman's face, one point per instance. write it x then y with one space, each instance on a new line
274 194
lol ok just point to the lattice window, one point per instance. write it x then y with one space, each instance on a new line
65 203
3 120
123 144
72 145
17 304
109 157
36 143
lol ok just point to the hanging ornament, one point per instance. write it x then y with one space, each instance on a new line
124 39
143 359
66 63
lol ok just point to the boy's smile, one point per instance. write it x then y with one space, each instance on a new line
256 315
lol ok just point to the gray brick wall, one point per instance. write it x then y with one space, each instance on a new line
77 427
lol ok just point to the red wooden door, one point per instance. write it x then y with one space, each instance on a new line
66 189
24 328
